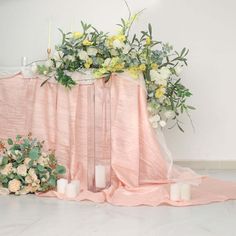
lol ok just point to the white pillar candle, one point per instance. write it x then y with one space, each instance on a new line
77 185
71 190
100 176
185 192
175 192
61 185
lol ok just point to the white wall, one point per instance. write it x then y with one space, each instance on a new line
206 27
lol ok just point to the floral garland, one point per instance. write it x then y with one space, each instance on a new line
25 168
105 54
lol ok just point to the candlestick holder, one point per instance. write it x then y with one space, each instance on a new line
99 136
49 50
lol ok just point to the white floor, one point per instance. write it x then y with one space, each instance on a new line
30 215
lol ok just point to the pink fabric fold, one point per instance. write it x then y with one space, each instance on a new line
139 168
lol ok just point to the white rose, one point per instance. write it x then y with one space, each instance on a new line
117 43
161 81
22 170
178 70
155 118
83 55
169 114
165 72
154 75
92 51
162 123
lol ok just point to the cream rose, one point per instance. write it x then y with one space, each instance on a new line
7 169
22 170
28 179
27 160
32 174
14 185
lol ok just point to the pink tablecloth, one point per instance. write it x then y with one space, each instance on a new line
58 116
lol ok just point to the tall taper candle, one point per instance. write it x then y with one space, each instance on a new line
49 33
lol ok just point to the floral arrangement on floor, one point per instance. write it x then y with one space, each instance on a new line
105 54
25 168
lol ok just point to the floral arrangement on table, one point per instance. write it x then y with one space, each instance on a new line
25 168
105 54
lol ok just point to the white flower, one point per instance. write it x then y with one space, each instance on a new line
117 43
22 170
34 68
165 72
169 114
155 118
58 55
126 48
92 51
178 70
114 52
155 125
69 57
1 157
83 55
162 123
58 64
161 81
49 63
149 108
107 62
154 75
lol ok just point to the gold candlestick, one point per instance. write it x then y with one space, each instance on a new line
49 52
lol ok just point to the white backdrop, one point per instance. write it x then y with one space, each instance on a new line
206 27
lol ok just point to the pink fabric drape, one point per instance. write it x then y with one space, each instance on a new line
59 116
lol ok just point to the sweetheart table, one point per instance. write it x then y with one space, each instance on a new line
140 171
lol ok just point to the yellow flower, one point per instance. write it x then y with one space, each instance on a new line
86 42
148 41
99 73
154 66
142 67
160 92
121 37
77 35
88 63
134 72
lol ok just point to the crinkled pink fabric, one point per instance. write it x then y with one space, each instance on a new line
139 169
